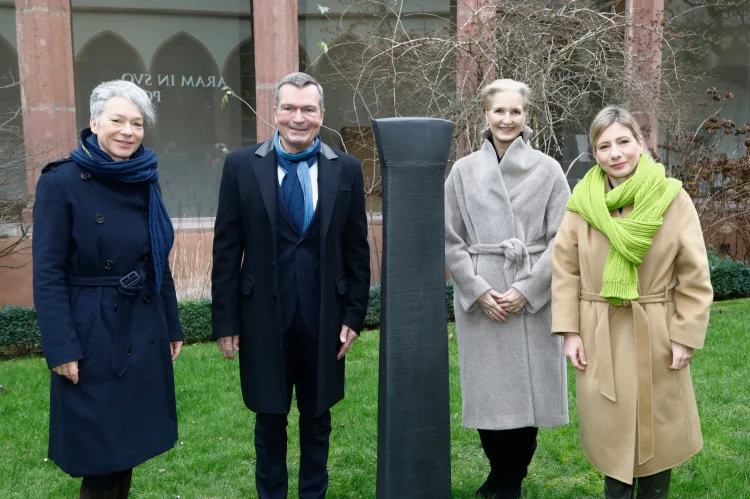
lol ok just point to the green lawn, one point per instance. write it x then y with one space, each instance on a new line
214 457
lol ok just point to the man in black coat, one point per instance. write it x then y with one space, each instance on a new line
291 275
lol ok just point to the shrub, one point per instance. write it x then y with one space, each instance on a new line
19 331
195 316
730 278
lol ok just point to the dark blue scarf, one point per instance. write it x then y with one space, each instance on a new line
141 167
297 167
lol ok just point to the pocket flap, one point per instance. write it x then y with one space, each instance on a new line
246 285
341 285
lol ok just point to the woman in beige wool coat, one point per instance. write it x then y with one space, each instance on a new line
503 204
630 329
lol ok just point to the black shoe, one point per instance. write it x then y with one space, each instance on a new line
485 491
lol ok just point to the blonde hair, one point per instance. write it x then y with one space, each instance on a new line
504 86
610 115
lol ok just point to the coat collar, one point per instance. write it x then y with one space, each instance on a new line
267 148
328 183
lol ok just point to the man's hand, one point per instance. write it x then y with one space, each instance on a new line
69 370
681 356
228 344
347 337
176 348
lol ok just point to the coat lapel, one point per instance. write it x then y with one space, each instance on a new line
268 181
328 185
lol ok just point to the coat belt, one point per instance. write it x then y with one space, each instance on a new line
129 286
517 265
642 331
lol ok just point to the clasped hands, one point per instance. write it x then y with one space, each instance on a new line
497 306
230 344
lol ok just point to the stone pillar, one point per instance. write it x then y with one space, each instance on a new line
276 55
45 60
473 17
645 47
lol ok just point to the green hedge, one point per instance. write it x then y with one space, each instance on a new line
19 328
730 278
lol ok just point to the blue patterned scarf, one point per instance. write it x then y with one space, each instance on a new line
140 167
304 160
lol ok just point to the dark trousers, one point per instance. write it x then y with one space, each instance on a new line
111 486
509 453
649 487
271 477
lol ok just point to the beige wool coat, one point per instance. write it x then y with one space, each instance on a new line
637 417
501 221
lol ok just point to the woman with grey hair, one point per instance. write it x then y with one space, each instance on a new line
105 297
503 204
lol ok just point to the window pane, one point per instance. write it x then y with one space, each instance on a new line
13 191
346 29
183 53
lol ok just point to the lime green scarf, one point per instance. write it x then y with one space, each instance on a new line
630 238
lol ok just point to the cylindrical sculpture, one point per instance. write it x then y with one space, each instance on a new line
414 399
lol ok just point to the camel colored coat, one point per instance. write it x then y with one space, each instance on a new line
501 221
637 417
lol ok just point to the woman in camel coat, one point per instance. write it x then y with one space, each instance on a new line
636 406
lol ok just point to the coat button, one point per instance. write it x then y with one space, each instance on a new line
117 306
273 264
146 299
274 296
130 352
85 175
108 265
145 213
145 256
100 219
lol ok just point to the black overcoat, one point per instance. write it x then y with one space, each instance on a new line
85 229
245 284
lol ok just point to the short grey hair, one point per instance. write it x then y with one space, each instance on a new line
122 88
505 85
300 80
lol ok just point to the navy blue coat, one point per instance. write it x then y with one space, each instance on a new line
85 227
245 282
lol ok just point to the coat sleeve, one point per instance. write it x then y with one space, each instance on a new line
169 298
693 294
227 257
467 284
356 255
566 278
536 288
50 250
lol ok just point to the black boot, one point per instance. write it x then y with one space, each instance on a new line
123 484
493 451
615 489
520 445
654 486
87 493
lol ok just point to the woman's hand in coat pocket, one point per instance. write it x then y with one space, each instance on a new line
681 356
573 350
69 370
488 303
176 347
